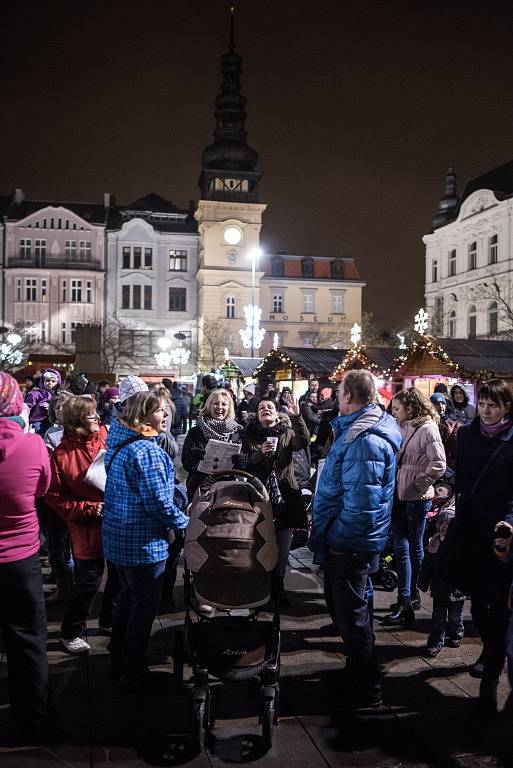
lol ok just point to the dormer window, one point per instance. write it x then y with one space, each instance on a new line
307 268
277 267
337 270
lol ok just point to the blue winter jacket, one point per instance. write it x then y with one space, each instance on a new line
353 502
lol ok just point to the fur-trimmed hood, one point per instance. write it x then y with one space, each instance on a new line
254 428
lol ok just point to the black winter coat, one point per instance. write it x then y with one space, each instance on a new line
476 570
292 436
195 439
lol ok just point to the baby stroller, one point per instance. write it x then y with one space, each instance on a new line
230 552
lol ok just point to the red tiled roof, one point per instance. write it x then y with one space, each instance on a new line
321 265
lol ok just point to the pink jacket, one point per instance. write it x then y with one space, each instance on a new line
24 476
421 459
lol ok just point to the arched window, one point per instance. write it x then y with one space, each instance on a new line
472 322
277 267
451 325
337 270
307 268
230 307
493 319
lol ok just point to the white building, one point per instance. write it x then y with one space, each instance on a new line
152 259
469 258
53 270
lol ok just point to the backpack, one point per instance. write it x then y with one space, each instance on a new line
230 542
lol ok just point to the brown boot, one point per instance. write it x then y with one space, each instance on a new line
63 592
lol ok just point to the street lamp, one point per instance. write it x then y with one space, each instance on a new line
252 335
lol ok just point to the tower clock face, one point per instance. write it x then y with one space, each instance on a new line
232 257
232 235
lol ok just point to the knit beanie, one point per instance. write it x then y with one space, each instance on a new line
131 385
11 399
110 392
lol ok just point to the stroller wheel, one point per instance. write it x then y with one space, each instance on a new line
178 656
389 580
200 719
268 718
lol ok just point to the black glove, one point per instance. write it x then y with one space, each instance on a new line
239 460
197 454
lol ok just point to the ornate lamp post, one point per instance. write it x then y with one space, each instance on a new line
9 354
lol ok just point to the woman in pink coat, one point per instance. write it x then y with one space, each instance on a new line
24 476
420 463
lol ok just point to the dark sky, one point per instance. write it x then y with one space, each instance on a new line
356 109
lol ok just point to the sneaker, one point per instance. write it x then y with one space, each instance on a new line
204 608
432 651
76 646
453 642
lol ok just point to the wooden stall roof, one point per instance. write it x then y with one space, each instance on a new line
377 359
465 358
245 366
311 361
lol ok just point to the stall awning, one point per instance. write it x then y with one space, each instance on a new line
304 363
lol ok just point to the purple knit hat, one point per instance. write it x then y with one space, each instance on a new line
11 399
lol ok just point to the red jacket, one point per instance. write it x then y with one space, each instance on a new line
75 500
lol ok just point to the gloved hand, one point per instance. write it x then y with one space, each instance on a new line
239 460
197 454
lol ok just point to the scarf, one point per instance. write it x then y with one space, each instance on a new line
17 419
493 430
218 429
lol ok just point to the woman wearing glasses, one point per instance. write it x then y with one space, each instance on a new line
81 506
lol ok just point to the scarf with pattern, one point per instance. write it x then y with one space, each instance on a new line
218 429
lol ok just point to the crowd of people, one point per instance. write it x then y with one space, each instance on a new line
87 477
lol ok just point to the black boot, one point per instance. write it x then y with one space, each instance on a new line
487 702
403 616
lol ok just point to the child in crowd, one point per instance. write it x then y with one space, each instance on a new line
447 621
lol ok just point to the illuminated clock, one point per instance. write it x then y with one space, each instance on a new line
232 235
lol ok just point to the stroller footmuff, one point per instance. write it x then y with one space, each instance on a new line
230 553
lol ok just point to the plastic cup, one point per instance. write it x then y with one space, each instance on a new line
273 441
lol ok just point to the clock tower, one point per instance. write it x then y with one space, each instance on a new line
229 215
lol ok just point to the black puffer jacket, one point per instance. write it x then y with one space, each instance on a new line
194 444
292 435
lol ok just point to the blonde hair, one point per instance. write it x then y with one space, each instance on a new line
215 395
140 406
415 404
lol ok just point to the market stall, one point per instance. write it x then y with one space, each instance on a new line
293 367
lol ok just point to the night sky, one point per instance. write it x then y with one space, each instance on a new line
356 110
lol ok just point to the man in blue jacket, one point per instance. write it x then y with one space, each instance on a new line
351 517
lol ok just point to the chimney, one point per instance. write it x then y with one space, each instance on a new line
107 200
19 197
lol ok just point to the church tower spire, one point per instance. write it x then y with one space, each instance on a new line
228 164
448 207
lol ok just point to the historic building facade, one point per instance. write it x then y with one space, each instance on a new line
53 272
469 258
152 258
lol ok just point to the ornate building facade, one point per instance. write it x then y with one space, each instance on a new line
469 258
54 269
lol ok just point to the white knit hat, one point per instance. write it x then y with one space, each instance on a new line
131 385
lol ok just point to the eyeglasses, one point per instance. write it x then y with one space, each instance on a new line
93 417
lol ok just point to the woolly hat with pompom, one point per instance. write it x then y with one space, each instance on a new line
11 399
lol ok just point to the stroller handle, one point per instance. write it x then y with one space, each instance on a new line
254 481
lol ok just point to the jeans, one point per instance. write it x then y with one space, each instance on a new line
57 541
446 616
492 618
345 584
23 628
283 540
175 549
110 593
407 533
88 578
137 604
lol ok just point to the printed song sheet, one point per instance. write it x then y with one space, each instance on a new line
217 456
